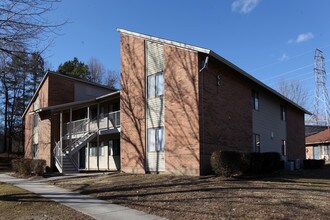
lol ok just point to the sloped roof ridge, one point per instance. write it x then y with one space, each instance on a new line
61 75
216 56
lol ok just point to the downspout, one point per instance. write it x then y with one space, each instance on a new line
201 71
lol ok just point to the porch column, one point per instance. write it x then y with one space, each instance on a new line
61 129
88 156
70 128
89 120
98 137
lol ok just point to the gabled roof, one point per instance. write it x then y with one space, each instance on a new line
318 138
79 104
64 76
216 56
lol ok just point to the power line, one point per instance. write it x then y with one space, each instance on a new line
289 59
291 71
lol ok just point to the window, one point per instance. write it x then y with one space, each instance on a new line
324 150
256 142
255 99
283 147
114 147
93 149
156 85
35 120
35 151
283 113
155 139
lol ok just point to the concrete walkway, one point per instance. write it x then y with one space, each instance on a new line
88 205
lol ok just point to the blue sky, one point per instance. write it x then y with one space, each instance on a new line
268 39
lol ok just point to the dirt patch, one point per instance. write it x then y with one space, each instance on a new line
287 195
16 203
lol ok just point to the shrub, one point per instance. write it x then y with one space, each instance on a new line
226 163
28 166
313 164
271 162
38 167
229 163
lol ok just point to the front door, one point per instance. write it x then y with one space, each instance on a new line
82 158
114 154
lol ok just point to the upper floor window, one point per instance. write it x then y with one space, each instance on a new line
283 113
35 120
255 100
156 85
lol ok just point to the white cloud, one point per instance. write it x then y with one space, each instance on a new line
302 38
244 6
284 57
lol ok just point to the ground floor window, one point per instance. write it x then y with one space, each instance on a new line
256 142
324 149
114 147
316 154
283 147
93 149
35 151
156 139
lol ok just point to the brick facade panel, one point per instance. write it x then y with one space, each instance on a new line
296 134
28 134
181 111
132 104
61 90
227 111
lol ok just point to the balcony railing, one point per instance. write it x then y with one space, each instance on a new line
110 121
76 127
79 127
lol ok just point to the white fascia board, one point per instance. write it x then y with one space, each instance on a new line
164 41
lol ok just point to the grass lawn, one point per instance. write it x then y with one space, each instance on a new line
303 194
16 203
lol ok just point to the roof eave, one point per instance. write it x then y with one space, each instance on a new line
220 58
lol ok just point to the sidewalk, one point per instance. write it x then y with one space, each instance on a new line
88 205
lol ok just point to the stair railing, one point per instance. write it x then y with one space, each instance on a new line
58 155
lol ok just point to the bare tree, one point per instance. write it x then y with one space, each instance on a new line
112 79
294 91
22 22
96 70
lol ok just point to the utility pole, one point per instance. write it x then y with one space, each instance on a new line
321 108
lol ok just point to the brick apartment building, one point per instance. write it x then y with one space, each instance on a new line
178 103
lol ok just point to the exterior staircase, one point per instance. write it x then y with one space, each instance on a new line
68 165
78 143
63 157
80 132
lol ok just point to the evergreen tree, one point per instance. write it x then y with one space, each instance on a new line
21 75
75 68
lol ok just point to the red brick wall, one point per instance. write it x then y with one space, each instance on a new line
296 134
181 111
227 111
28 134
132 104
55 90
44 146
61 90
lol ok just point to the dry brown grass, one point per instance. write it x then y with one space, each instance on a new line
289 195
16 203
